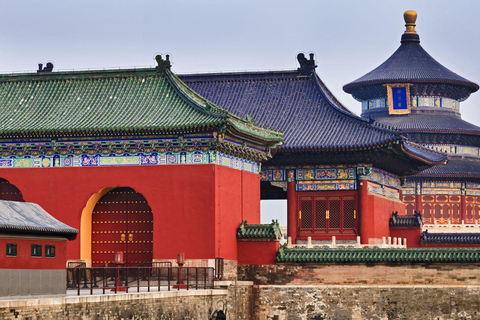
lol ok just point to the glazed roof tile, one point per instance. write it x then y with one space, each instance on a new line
424 122
259 231
26 217
298 105
406 221
411 64
105 102
459 238
455 168
372 255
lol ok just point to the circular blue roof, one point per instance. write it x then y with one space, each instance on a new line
412 64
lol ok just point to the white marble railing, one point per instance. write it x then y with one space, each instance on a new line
452 228
385 242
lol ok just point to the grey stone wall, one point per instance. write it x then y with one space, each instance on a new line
192 304
22 282
366 302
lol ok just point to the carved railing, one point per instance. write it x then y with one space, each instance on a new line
385 242
452 228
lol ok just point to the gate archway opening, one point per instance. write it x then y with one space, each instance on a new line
9 191
117 219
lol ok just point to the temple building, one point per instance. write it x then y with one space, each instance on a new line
134 160
149 163
341 174
415 94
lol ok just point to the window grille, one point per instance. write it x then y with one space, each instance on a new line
11 249
36 250
50 251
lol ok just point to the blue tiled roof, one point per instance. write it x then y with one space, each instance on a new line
298 105
458 238
26 217
412 64
426 122
455 168
301 107
419 152
406 221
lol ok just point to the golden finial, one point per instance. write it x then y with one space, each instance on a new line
410 17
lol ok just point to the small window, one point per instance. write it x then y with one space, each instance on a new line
50 251
36 250
11 249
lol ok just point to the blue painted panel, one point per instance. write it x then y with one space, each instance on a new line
399 98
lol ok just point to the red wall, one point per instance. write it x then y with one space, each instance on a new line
196 208
239 201
257 252
375 213
24 260
412 235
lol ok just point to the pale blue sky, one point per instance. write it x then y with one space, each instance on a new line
349 38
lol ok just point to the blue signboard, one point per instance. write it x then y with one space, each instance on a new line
399 96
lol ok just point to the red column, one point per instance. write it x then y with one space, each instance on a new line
418 198
292 217
366 226
463 203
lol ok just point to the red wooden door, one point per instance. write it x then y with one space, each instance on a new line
122 221
9 192
327 214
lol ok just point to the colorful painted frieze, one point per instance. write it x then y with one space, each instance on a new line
325 185
196 157
383 191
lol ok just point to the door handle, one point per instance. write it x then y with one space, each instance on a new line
130 237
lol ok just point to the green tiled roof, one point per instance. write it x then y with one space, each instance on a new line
110 102
257 231
414 255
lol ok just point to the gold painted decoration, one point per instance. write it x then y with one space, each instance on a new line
398 97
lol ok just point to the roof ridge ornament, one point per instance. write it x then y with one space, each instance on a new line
306 66
410 18
163 64
410 34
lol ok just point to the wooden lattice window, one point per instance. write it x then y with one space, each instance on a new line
327 214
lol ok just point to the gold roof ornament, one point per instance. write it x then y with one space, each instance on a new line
410 17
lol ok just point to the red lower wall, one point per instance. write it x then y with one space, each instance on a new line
375 213
412 235
24 259
257 252
196 208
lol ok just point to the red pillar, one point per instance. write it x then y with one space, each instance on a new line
463 208
418 199
366 226
292 219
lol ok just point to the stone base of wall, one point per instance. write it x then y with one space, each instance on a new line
192 304
366 302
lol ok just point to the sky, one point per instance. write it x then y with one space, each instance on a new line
348 37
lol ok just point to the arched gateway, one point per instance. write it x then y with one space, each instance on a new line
122 221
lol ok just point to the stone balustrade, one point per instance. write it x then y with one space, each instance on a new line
385 242
452 228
